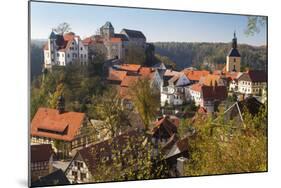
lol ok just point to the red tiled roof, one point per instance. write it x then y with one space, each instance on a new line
166 124
196 74
231 75
116 75
210 79
115 40
146 72
68 36
130 67
87 41
196 87
50 124
41 153
217 72
214 92
129 81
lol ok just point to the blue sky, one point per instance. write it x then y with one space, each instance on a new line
157 25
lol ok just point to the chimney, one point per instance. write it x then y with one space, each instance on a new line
181 162
61 104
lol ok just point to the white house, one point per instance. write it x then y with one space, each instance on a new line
174 90
64 49
252 82
195 93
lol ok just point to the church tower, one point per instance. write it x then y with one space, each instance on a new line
233 59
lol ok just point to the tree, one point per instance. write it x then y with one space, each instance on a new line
110 110
54 97
255 23
150 58
131 160
166 60
145 100
62 28
135 55
220 147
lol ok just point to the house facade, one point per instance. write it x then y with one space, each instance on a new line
65 49
41 160
252 82
174 90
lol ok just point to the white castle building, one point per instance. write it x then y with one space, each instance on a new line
64 49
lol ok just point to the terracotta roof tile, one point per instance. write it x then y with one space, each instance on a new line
87 41
116 75
195 75
69 36
130 67
210 79
196 87
50 124
115 40
129 81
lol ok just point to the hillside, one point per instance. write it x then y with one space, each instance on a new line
205 54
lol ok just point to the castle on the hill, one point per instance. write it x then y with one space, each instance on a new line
63 49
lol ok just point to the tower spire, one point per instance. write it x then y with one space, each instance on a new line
234 40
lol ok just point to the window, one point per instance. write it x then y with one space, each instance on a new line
81 48
85 55
82 176
58 54
74 173
68 55
81 56
80 165
234 60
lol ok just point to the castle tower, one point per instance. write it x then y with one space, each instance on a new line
52 46
107 30
233 59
